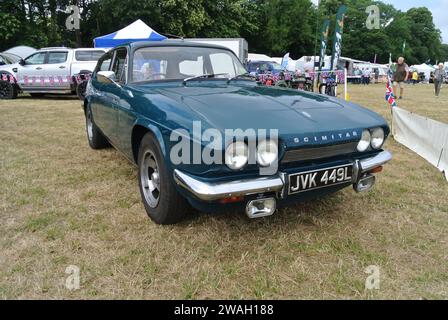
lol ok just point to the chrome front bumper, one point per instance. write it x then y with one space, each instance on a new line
210 191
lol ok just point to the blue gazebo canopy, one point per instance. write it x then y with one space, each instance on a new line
136 31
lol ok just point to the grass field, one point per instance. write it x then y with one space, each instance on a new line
64 204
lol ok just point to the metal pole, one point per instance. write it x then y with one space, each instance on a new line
345 84
315 42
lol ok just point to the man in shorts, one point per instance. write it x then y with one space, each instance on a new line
400 76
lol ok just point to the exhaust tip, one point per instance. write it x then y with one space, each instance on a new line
365 183
261 208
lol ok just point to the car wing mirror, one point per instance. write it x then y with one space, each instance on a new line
22 62
107 77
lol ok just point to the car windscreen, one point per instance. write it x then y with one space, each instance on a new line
88 55
277 67
180 62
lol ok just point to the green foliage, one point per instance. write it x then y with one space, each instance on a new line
273 27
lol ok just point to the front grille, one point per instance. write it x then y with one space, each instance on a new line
319 152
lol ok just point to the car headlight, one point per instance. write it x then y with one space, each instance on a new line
267 153
377 138
364 144
236 156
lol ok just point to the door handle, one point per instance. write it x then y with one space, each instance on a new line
62 67
38 68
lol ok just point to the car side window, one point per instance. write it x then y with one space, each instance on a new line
37 58
222 63
57 57
119 65
104 63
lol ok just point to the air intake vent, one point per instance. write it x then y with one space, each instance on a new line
319 152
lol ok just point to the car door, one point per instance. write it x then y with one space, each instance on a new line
98 95
125 113
114 91
57 70
31 74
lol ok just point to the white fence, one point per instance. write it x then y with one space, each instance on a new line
426 137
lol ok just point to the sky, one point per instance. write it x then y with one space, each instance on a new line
439 9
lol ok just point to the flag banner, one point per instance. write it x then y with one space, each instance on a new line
323 42
337 42
390 97
330 74
49 80
426 137
285 60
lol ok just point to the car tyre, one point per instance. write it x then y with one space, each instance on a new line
81 90
163 204
94 136
8 90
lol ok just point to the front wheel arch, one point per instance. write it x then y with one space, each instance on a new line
138 132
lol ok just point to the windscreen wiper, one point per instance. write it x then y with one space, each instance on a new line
206 76
243 75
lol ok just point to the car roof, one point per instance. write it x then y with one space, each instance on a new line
261 61
172 43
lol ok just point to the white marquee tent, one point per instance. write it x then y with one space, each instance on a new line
426 69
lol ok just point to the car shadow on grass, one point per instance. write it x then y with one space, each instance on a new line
310 213
50 96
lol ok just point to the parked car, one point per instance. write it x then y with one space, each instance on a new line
49 70
8 58
263 67
150 100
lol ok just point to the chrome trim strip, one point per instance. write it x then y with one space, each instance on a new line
209 191
376 161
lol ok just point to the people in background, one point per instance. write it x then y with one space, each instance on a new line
400 75
366 76
414 77
439 76
308 67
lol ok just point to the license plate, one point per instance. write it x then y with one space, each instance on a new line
310 180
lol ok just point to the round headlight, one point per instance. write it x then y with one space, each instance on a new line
267 153
364 144
236 155
377 138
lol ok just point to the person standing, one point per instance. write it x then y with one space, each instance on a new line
400 75
414 77
367 75
439 76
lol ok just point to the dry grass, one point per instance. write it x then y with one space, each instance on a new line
65 204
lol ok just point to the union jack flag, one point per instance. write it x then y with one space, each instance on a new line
390 93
